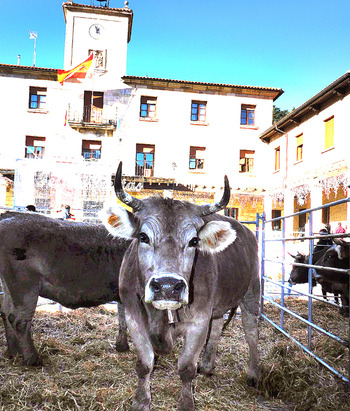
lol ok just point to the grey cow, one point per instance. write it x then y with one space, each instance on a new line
75 264
185 267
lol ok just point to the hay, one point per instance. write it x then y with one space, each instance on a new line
82 371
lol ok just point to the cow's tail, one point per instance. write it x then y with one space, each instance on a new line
229 318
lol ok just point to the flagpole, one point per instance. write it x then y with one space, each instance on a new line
34 53
32 36
93 86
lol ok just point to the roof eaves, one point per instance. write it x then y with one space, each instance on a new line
146 79
309 104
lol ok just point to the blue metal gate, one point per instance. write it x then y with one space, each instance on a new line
285 289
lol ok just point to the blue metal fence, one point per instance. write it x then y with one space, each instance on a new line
284 287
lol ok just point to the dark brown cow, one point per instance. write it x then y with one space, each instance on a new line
337 256
74 264
185 268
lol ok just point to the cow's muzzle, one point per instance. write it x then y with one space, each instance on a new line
167 291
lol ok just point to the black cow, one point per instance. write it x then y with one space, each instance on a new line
74 264
336 256
300 275
185 268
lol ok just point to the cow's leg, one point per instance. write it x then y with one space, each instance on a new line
336 298
11 338
195 336
324 294
250 312
145 358
18 320
208 361
121 344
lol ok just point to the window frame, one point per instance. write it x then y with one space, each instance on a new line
40 101
37 151
277 158
150 103
145 160
248 109
246 167
276 225
299 147
196 115
95 154
328 133
199 163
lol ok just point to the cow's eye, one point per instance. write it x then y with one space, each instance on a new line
144 238
193 242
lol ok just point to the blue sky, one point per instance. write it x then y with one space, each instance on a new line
299 46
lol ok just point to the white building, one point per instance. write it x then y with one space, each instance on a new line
170 134
308 161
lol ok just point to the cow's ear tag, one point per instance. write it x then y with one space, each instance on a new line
114 221
118 222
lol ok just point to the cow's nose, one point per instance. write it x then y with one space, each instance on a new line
168 288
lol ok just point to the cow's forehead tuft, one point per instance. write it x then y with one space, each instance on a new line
169 214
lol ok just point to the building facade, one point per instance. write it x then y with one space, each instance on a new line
178 138
309 160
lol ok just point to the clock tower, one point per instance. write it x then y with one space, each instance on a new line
103 31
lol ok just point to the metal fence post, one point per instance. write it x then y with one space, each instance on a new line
310 278
262 269
283 269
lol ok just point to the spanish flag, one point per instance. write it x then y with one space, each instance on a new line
79 71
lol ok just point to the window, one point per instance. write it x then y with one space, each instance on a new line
299 152
93 107
37 97
198 111
277 158
197 155
246 161
148 107
145 160
231 212
276 225
329 133
247 115
35 147
91 149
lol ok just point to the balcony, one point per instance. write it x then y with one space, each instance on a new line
92 119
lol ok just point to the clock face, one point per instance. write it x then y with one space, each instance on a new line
96 31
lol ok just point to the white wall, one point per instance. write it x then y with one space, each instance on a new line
173 134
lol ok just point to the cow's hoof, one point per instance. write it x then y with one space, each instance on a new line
35 360
141 406
208 371
252 382
122 346
186 404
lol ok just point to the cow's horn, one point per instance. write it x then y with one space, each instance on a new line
123 196
339 241
213 208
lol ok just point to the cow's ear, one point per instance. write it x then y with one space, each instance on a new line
215 236
119 222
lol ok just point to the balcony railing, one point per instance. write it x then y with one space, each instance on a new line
92 115
146 170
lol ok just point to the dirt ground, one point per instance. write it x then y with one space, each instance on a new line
82 371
